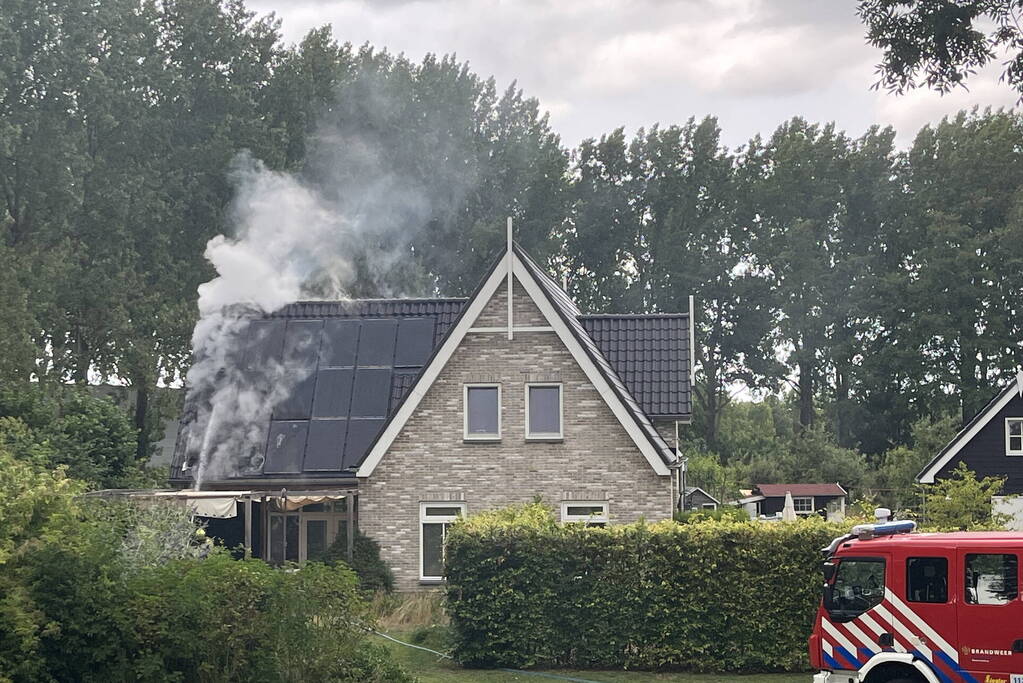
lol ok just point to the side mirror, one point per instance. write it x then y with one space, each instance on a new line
828 598
828 569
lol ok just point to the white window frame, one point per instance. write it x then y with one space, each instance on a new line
466 436
709 506
436 519
547 436
1009 450
808 511
603 518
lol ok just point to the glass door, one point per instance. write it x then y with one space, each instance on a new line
285 541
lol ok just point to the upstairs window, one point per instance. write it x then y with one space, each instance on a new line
1014 436
543 411
482 412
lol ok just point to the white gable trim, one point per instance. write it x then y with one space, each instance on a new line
966 435
589 368
454 339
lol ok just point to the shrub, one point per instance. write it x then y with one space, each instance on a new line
714 596
373 572
728 512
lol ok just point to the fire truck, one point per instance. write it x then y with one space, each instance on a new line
906 607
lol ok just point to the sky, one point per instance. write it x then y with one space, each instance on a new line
596 65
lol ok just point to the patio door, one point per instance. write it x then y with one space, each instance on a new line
285 537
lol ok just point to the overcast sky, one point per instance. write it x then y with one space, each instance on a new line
599 64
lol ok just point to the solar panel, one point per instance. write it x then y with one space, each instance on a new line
325 446
265 339
415 342
360 434
340 337
372 392
285 447
376 342
333 394
301 349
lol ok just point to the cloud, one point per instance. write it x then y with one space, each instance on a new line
599 64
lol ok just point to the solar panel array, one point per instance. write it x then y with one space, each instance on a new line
343 393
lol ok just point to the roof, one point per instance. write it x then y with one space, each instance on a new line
779 490
971 429
361 356
690 490
651 354
365 358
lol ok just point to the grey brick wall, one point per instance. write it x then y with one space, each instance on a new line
429 461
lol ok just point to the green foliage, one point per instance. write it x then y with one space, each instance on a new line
89 436
727 513
373 572
29 499
940 44
963 502
713 596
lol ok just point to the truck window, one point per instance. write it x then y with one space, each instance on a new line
991 579
927 579
858 586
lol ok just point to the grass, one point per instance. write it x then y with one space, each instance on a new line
429 668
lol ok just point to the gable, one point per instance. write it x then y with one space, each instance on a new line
981 444
483 316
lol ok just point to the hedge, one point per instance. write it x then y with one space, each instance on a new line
712 596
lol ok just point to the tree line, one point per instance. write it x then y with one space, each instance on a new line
869 286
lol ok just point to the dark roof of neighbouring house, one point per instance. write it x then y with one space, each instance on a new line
367 354
779 490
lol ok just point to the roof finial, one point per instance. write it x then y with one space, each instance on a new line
508 255
1019 382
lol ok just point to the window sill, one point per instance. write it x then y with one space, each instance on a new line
431 582
481 439
549 438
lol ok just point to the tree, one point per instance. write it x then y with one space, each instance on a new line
941 43
961 501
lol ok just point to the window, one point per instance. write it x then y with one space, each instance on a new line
709 506
803 504
543 411
858 587
482 412
435 520
589 513
927 579
991 579
1014 436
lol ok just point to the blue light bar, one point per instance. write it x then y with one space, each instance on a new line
886 529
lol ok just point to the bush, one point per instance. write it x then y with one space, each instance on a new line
373 572
715 596
730 513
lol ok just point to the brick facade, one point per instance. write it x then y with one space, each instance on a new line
429 461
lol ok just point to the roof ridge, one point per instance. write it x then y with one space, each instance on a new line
593 316
377 300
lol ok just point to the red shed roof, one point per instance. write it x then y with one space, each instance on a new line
779 490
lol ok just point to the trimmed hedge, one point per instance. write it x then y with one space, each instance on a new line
714 596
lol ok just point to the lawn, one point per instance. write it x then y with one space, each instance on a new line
429 668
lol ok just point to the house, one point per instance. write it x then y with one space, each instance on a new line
991 445
415 411
698 499
808 499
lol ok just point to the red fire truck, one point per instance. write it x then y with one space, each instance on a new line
902 607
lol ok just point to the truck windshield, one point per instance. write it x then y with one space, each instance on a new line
858 586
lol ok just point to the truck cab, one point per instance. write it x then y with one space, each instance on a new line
904 607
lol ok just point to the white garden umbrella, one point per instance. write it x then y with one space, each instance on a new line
788 513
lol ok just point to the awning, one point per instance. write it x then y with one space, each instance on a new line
223 504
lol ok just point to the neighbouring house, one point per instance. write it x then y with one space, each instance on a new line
808 499
415 411
698 499
991 445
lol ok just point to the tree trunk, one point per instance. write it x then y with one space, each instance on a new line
141 425
806 386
